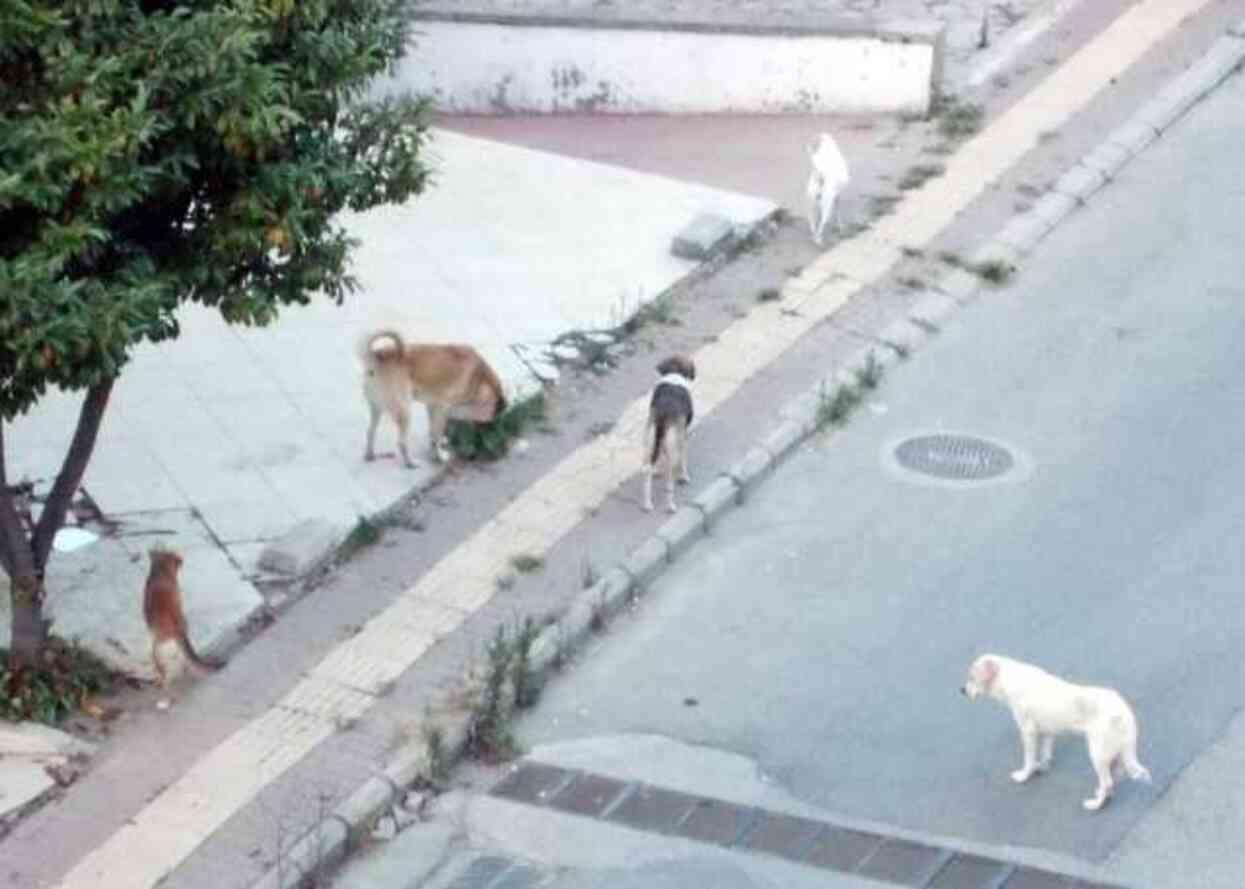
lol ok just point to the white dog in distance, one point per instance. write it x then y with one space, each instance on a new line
827 180
1044 706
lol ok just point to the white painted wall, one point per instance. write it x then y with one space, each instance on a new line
496 69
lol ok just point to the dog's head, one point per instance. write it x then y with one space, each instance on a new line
164 560
981 676
678 364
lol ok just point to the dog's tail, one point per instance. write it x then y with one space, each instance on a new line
370 355
1132 765
659 437
207 664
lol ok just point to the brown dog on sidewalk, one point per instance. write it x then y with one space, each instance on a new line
669 416
165 617
452 381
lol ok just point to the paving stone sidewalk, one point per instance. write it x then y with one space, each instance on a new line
228 439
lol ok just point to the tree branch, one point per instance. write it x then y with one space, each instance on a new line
72 470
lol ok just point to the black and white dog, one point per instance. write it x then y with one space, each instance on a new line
665 433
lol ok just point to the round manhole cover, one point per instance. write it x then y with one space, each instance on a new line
954 457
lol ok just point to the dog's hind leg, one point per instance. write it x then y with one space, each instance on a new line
402 416
684 477
646 483
813 192
829 200
369 450
1131 765
1102 758
674 446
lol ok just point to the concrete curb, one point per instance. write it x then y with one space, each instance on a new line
594 607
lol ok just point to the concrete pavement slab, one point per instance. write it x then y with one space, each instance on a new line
257 431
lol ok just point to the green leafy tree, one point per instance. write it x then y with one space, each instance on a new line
154 152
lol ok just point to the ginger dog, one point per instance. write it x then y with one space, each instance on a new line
452 381
1044 706
166 620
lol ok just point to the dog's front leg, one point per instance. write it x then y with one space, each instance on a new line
438 416
1046 751
1028 741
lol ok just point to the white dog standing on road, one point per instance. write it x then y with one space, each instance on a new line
828 179
1045 706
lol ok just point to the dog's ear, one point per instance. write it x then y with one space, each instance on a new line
989 670
691 369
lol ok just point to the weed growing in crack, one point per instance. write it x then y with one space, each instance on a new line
588 574
833 408
769 295
919 175
995 271
526 563
365 533
438 758
526 691
869 376
596 623
491 441
958 119
660 310
488 736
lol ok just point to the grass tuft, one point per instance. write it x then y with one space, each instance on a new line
491 441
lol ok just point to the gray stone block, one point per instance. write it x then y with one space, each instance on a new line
960 284
748 471
904 337
602 600
1080 183
1054 207
720 496
303 548
1173 101
317 852
784 438
995 251
1024 231
1134 136
1108 159
647 561
373 796
614 588
933 309
682 529
703 237
802 410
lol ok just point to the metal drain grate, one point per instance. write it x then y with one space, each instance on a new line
807 841
954 457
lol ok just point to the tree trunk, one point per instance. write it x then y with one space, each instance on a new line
25 559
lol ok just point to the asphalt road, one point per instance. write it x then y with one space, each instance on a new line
822 631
